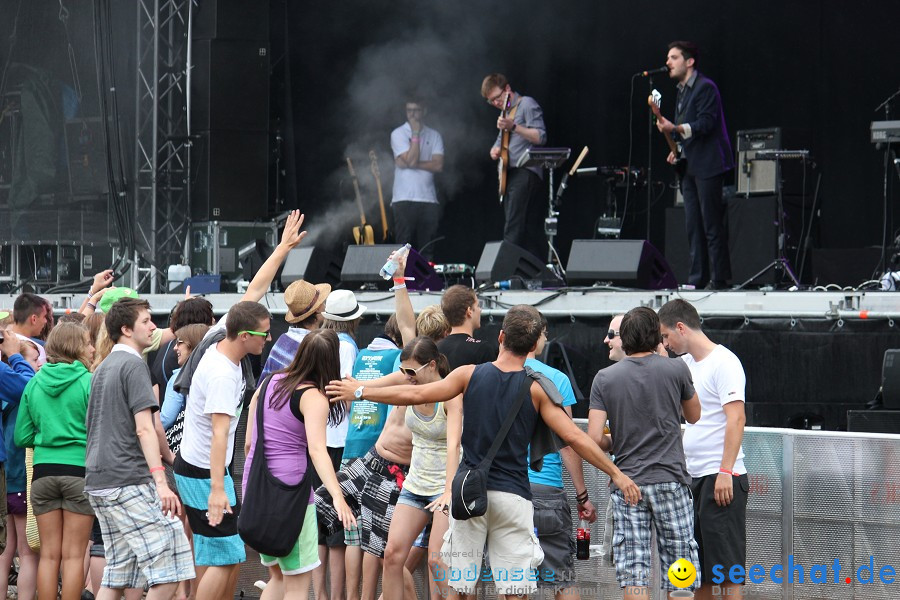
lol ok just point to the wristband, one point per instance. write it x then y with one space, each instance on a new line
399 286
514 127
414 138
727 472
155 469
93 306
582 497
399 279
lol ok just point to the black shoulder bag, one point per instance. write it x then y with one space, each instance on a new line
272 512
468 492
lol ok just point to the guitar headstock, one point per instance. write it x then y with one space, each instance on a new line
350 166
505 103
374 158
655 102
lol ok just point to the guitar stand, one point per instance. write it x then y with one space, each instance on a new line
549 159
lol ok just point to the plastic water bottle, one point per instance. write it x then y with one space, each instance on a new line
387 271
583 541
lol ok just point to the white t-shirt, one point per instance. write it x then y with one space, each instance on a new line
719 379
336 437
217 387
415 185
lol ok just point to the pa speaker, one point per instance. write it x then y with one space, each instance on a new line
630 263
232 176
678 255
874 421
501 261
312 264
890 379
230 85
362 266
230 19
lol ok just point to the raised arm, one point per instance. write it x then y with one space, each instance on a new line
406 317
289 240
404 395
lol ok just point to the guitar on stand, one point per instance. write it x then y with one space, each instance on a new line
376 173
503 162
362 233
655 101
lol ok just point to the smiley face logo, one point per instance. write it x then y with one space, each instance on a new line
682 573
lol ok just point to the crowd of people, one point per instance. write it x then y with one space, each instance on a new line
120 441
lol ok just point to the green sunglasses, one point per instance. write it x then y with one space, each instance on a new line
259 333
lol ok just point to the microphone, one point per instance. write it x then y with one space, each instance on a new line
653 71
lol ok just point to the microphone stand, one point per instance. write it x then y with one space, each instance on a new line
886 105
650 127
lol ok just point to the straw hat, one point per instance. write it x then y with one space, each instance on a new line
303 299
342 306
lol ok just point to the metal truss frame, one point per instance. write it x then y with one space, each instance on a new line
162 137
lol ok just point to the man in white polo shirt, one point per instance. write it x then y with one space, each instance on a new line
418 155
712 445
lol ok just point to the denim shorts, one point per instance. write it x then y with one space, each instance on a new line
415 500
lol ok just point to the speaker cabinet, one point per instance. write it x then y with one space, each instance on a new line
232 176
230 19
502 261
677 251
630 263
874 421
362 266
315 265
757 176
753 238
230 85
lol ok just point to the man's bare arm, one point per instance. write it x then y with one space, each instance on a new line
404 395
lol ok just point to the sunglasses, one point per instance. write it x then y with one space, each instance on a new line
264 334
411 372
611 334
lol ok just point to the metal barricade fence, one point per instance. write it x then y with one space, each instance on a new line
815 497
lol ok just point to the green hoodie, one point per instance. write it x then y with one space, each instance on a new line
52 414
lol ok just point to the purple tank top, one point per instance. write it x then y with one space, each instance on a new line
285 440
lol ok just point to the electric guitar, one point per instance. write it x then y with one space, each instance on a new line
503 162
654 101
377 175
362 233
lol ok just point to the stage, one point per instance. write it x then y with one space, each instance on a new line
809 356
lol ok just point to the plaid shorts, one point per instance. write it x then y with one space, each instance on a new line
371 491
669 508
141 543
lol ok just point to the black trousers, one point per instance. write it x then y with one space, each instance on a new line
704 219
525 208
417 224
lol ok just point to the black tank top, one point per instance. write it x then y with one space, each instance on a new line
489 397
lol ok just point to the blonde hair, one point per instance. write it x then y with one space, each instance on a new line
8 319
102 347
28 345
66 344
94 322
432 323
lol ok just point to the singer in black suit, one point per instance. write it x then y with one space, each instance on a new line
700 129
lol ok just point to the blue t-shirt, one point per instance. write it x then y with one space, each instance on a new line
551 474
366 417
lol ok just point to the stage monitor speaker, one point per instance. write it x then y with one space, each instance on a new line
890 379
230 19
757 177
753 238
630 263
874 421
315 265
230 85
362 266
232 176
504 261
844 266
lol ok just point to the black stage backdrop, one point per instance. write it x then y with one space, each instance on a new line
817 69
